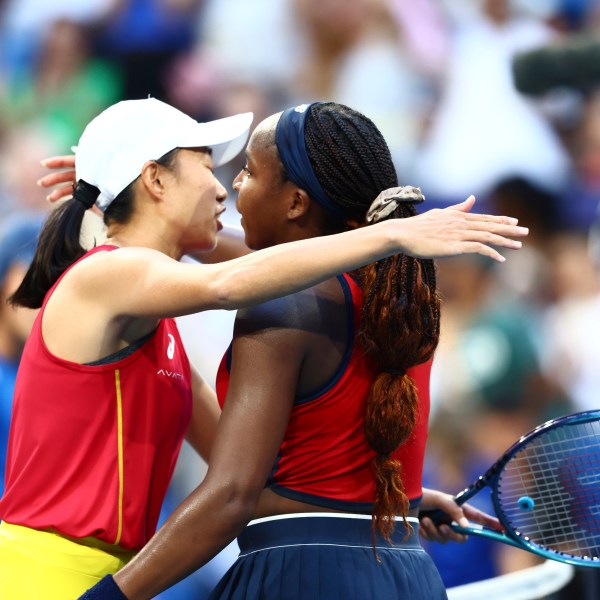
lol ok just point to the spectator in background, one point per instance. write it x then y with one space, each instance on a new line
543 211
355 53
489 352
572 325
144 37
18 239
65 88
483 130
24 25
566 76
20 152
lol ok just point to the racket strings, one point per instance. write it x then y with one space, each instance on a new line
549 492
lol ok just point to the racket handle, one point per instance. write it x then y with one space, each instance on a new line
439 517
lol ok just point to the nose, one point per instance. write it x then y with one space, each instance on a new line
237 182
221 192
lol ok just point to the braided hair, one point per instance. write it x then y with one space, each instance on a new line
401 314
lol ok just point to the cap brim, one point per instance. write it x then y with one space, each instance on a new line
225 137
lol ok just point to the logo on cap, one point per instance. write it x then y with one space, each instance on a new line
301 108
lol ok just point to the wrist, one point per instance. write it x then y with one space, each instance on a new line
105 589
392 231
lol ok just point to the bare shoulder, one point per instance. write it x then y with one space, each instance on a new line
299 312
115 266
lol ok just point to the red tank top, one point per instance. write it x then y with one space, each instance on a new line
92 448
325 458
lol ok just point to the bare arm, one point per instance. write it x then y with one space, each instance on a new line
205 416
252 426
434 234
164 287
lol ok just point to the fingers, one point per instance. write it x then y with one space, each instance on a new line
442 534
56 178
60 193
485 241
464 206
478 516
488 221
59 162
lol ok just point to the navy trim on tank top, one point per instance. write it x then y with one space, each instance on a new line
229 357
123 353
347 506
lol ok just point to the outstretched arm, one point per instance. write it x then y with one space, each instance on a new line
168 288
436 233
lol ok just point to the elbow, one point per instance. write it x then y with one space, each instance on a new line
228 292
241 511
238 504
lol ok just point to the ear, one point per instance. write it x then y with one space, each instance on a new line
152 178
299 204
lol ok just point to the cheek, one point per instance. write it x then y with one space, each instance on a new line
246 200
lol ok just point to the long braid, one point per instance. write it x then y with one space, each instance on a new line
401 313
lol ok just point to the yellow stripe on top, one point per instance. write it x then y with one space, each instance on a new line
119 453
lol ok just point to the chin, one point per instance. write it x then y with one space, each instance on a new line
204 246
252 245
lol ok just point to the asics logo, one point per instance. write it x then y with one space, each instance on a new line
171 347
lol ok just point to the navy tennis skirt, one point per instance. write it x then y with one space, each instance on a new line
328 556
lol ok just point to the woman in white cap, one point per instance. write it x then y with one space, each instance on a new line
106 394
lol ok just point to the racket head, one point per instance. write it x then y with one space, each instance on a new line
546 492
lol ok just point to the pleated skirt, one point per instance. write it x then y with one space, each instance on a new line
328 556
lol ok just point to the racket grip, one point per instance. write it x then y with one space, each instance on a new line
439 517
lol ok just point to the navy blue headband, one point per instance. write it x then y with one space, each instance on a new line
289 137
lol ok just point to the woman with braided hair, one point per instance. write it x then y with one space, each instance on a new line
324 393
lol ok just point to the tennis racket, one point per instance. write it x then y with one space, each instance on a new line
545 491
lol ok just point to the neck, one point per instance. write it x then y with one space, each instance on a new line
130 236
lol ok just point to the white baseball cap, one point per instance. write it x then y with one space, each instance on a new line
117 143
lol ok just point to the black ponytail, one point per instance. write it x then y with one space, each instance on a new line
58 247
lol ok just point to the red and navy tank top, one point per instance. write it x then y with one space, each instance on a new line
325 458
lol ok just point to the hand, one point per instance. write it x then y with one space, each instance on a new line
435 500
454 231
59 177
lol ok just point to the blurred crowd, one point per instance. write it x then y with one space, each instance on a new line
497 98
